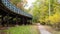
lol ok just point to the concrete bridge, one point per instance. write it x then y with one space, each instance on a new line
10 14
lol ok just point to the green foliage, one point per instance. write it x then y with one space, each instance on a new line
40 10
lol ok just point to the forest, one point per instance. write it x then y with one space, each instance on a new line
46 12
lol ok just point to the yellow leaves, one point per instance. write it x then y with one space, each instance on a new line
55 18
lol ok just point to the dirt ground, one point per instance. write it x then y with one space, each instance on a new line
52 30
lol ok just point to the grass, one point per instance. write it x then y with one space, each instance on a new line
28 29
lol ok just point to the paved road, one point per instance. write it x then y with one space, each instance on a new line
42 29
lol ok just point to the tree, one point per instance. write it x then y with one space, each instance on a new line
40 10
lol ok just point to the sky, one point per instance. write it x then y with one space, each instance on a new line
29 3
58 1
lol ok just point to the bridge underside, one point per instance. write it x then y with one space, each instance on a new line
9 16
7 19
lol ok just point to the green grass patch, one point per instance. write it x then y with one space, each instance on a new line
28 29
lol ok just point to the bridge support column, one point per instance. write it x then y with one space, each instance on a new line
0 20
7 20
23 20
16 20
3 23
11 21
26 21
